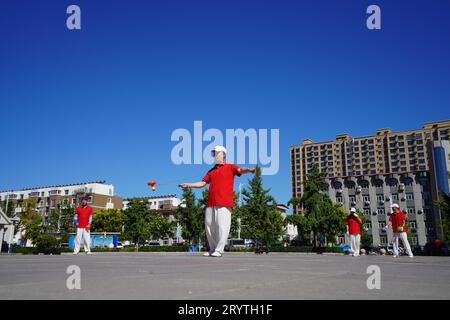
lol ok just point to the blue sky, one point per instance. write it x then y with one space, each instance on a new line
102 102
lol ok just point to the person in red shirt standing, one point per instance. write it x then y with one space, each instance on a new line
83 219
354 231
220 200
398 221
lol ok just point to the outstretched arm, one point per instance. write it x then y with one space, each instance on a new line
197 185
246 170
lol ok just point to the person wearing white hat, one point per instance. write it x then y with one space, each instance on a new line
398 222
353 222
220 200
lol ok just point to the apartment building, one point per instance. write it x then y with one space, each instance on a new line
371 172
100 195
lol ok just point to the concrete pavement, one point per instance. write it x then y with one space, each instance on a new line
235 276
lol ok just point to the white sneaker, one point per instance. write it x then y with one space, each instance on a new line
394 256
88 252
207 254
75 253
216 254
411 256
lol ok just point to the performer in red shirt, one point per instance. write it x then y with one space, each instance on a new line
398 221
220 200
83 219
354 231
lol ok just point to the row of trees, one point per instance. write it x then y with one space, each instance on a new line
257 217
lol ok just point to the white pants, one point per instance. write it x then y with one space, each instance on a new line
403 236
355 240
217 226
84 235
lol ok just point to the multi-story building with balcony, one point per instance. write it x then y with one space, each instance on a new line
371 172
99 194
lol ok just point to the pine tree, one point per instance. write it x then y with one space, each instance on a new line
322 217
136 226
190 216
260 218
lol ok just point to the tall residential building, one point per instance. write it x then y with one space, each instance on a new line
100 195
371 172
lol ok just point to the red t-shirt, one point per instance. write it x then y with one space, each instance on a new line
83 216
353 225
221 182
398 219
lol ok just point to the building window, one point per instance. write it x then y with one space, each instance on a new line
411 210
395 197
368 225
366 198
339 199
367 211
381 225
383 240
380 197
412 225
381 211
409 196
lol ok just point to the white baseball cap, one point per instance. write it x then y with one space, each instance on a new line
220 148
394 205
352 210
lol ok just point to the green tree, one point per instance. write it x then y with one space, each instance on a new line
190 216
136 226
160 226
31 221
60 222
294 202
108 220
235 215
444 205
260 218
10 211
323 218
303 225
366 238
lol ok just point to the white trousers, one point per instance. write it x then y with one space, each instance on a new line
217 226
84 235
355 240
403 236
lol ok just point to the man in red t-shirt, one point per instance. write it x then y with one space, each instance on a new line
354 231
83 219
220 200
398 221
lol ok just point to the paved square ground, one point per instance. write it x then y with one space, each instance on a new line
235 276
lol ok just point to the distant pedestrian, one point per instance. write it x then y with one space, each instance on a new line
354 231
398 222
83 219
